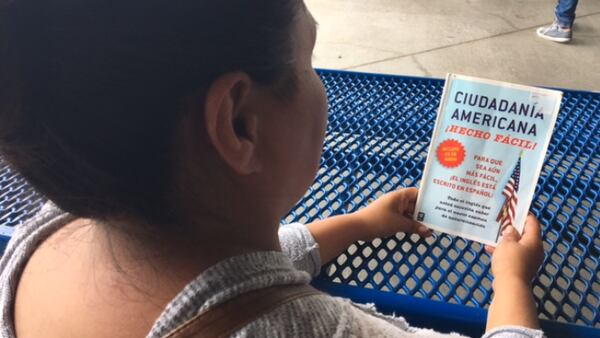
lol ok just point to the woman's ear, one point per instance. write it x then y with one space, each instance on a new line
231 123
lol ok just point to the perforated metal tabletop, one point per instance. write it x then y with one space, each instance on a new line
377 140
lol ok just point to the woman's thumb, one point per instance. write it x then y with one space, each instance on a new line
510 234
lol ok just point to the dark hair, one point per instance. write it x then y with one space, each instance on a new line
89 89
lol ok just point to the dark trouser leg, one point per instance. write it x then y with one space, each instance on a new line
565 12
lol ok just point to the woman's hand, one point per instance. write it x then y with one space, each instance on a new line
518 256
515 262
390 214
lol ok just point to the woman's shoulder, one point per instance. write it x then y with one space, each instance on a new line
22 245
65 289
326 316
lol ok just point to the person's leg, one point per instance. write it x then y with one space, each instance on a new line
560 29
565 13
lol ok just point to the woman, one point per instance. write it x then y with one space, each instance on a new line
175 135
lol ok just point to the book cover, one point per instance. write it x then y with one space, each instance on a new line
486 154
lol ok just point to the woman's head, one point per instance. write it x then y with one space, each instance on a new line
103 104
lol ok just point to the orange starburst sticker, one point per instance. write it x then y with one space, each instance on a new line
450 153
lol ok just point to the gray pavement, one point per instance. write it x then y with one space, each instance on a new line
484 38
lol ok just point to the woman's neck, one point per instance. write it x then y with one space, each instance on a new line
166 263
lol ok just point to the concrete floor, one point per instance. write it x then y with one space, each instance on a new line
484 38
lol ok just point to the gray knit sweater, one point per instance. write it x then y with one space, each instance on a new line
311 316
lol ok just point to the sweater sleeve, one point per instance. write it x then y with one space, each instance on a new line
514 332
298 244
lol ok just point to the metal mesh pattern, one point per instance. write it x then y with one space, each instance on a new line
18 201
377 139
378 136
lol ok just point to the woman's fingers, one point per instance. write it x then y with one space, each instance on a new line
425 232
422 229
409 225
410 193
532 231
404 199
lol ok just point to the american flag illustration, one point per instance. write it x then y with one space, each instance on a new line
506 216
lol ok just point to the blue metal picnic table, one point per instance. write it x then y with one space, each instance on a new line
378 135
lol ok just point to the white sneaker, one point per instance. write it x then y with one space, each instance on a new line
554 33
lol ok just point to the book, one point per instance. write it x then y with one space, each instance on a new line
487 150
